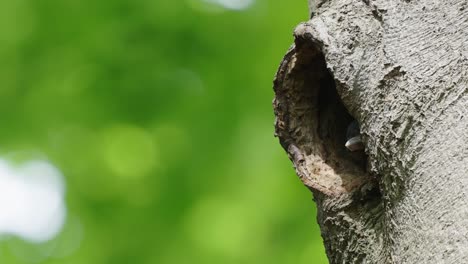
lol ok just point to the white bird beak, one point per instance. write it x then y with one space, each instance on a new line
354 144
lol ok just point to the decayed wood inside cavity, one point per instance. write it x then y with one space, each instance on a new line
312 122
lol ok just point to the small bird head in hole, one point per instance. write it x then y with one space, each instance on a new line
353 137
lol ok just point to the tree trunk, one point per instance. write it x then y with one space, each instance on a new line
400 68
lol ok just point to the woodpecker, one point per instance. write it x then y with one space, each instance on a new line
353 137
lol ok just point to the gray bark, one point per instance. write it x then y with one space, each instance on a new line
399 67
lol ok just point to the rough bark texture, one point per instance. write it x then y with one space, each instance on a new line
400 67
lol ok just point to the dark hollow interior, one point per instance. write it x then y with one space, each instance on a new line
333 121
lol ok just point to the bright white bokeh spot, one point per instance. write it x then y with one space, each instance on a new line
32 204
232 4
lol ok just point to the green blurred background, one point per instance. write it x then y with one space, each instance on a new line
158 115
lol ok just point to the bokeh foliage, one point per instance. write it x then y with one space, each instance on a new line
158 113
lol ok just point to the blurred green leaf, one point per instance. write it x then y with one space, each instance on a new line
158 114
